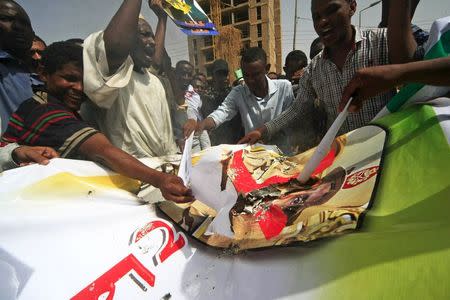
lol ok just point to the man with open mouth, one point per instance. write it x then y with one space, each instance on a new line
347 49
132 108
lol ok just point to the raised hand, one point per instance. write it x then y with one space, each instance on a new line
189 127
157 7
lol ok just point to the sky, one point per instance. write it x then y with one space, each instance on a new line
61 20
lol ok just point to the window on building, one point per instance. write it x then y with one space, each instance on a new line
258 13
259 28
209 56
208 41
241 15
245 30
237 2
260 44
194 44
226 19
225 3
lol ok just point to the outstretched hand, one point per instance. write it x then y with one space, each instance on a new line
189 127
25 155
252 137
173 189
369 82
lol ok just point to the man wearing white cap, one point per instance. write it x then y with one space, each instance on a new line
134 113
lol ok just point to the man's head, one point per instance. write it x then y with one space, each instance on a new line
63 73
295 61
332 20
16 33
220 72
198 85
144 50
315 48
184 72
202 77
78 41
37 48
253 65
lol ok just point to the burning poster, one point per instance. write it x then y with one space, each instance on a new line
249 197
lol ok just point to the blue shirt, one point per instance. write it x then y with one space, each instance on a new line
15 86
254 111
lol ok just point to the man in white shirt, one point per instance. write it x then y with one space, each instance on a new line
258 101
134 112
194 105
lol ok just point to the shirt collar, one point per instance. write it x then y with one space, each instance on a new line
358 38
272 89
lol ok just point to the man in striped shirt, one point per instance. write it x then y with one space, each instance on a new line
50 119
347 49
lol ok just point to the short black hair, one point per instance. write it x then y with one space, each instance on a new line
38 39
316 48
297 55
78 41
253 54
59 54
182 62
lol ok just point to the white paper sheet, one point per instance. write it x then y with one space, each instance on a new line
186 162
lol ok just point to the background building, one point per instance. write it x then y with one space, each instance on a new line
259 22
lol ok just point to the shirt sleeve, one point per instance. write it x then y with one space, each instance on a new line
379 43
52 126
228 109
6 160
295 111
100 85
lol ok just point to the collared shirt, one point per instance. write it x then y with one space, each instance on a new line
323 80
15 86
229 132
254 111
134 112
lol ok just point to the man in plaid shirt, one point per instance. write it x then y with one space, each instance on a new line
347 49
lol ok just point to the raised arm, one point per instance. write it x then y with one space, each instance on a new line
402 45
98 148
160 34
372 81
121 33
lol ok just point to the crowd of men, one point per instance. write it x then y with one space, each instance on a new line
114 96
